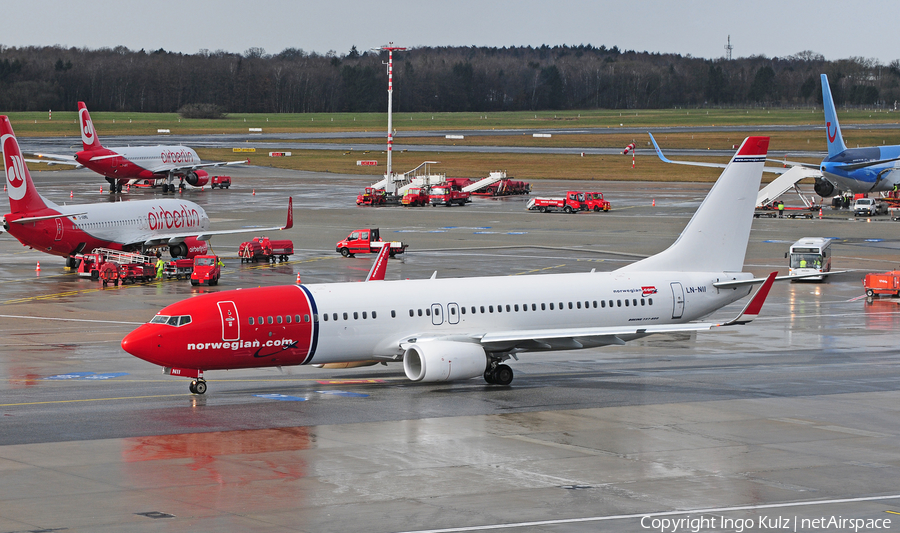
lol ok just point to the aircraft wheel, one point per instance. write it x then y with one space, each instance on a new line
200 387
165 188
489 377
118 186
193 387
71 262
502 375
345 252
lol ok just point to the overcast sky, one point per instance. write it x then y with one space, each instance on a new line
772 28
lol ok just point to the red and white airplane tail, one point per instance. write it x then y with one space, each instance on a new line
715 239
23 197
89 138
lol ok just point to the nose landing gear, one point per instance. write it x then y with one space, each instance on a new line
198 386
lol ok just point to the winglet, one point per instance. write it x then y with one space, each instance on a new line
290 216
753 308
379 267
658 150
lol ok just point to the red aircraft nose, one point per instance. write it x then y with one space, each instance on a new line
145 343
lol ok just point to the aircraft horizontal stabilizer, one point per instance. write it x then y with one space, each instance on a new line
754 306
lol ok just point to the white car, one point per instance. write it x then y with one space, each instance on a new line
868 207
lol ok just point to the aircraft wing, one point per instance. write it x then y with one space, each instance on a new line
54 159
575 338
177 237
196 166
773 170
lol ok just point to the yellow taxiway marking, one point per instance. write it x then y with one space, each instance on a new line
537 270
892 512
90 400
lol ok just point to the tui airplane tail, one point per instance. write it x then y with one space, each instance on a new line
832 127
23 198
89 138
715 239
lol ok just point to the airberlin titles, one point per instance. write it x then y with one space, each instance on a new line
160 218
180 156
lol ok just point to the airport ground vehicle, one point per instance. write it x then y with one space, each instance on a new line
109 273
372 196
882 283
415 196
135 272
367 241
264 249
179 268
572 202
810 255
206 270
131 267
222 182
868 207
447 194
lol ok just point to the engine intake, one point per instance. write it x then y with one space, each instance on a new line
432 361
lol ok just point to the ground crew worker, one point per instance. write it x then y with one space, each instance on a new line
780 209
160 267
802 263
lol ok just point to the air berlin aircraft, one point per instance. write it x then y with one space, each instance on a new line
131 226
441 333
122 165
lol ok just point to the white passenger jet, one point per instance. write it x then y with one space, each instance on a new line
136 163
131 226
442 333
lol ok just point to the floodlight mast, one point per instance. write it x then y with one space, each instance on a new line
389 186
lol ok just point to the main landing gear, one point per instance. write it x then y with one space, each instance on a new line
198 386
498 374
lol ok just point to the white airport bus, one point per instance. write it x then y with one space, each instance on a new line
810 255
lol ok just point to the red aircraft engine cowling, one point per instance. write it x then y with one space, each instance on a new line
197 178
189 248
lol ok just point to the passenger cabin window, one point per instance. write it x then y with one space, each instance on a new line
250 320
270 320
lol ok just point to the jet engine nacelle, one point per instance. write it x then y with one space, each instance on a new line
197 178
444 361
824 188
189 248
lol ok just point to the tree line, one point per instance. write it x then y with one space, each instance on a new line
428 79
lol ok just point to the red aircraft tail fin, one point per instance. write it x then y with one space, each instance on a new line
290 216
23 197
89 138
379 267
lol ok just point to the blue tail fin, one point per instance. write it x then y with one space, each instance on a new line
832 127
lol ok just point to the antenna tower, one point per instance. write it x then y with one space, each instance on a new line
728 49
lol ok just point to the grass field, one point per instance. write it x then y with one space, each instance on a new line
35 124
521 166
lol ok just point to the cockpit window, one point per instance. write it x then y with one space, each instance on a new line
171 320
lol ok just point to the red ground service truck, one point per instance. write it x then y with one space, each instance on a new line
89 267
206 270
372 196
136 272
447 194
179 269
367 241
222 182
414 197
263 249
593 201
573 202
882 283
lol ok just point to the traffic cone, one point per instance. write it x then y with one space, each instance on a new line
71 194
820 213
298 278
654 203
38 267
128 187
254 192
101 190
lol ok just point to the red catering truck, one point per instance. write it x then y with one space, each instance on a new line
367 241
